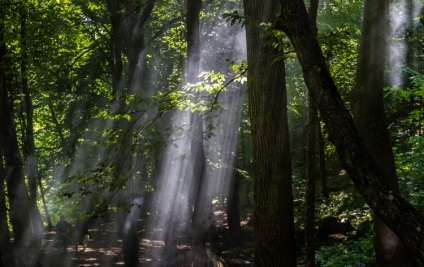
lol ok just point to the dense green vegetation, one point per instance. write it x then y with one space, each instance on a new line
100 85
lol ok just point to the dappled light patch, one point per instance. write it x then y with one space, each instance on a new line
247 221
105 248
88 262
152 243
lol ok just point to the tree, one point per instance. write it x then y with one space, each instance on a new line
115 58
395 211
370 120
129 23
199 178
27 246
29 145
322 172
274 226
311 160
6 253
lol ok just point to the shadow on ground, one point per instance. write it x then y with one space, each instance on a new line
104 248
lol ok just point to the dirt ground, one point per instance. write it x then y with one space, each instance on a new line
104 247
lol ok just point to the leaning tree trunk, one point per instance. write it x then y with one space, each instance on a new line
370 120
395 211
274 226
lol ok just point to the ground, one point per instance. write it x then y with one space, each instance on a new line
104 247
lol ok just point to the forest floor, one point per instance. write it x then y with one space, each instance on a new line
104 247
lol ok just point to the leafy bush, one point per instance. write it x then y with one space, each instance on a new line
358 248
410 166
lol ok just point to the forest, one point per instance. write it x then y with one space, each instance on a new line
211 133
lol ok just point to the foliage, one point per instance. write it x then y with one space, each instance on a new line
149 115
410 166
79 131
346 203
338 33
234 17
405 104
350 252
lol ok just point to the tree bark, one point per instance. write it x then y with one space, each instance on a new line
274 226
29 108
17 192
311 172
202 203
322 171
370 120
311 161
395 211
135 38
128 22
233 211
46 209
115 59
29 145
6 252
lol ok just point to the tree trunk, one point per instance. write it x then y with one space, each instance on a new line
322 171
58 127
6 252
135 39
29 108
31 159
127 22
17 192
130 242
395 211
46 209
311 162
233 211
274 226
115 59
201 203
370 120
311 172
